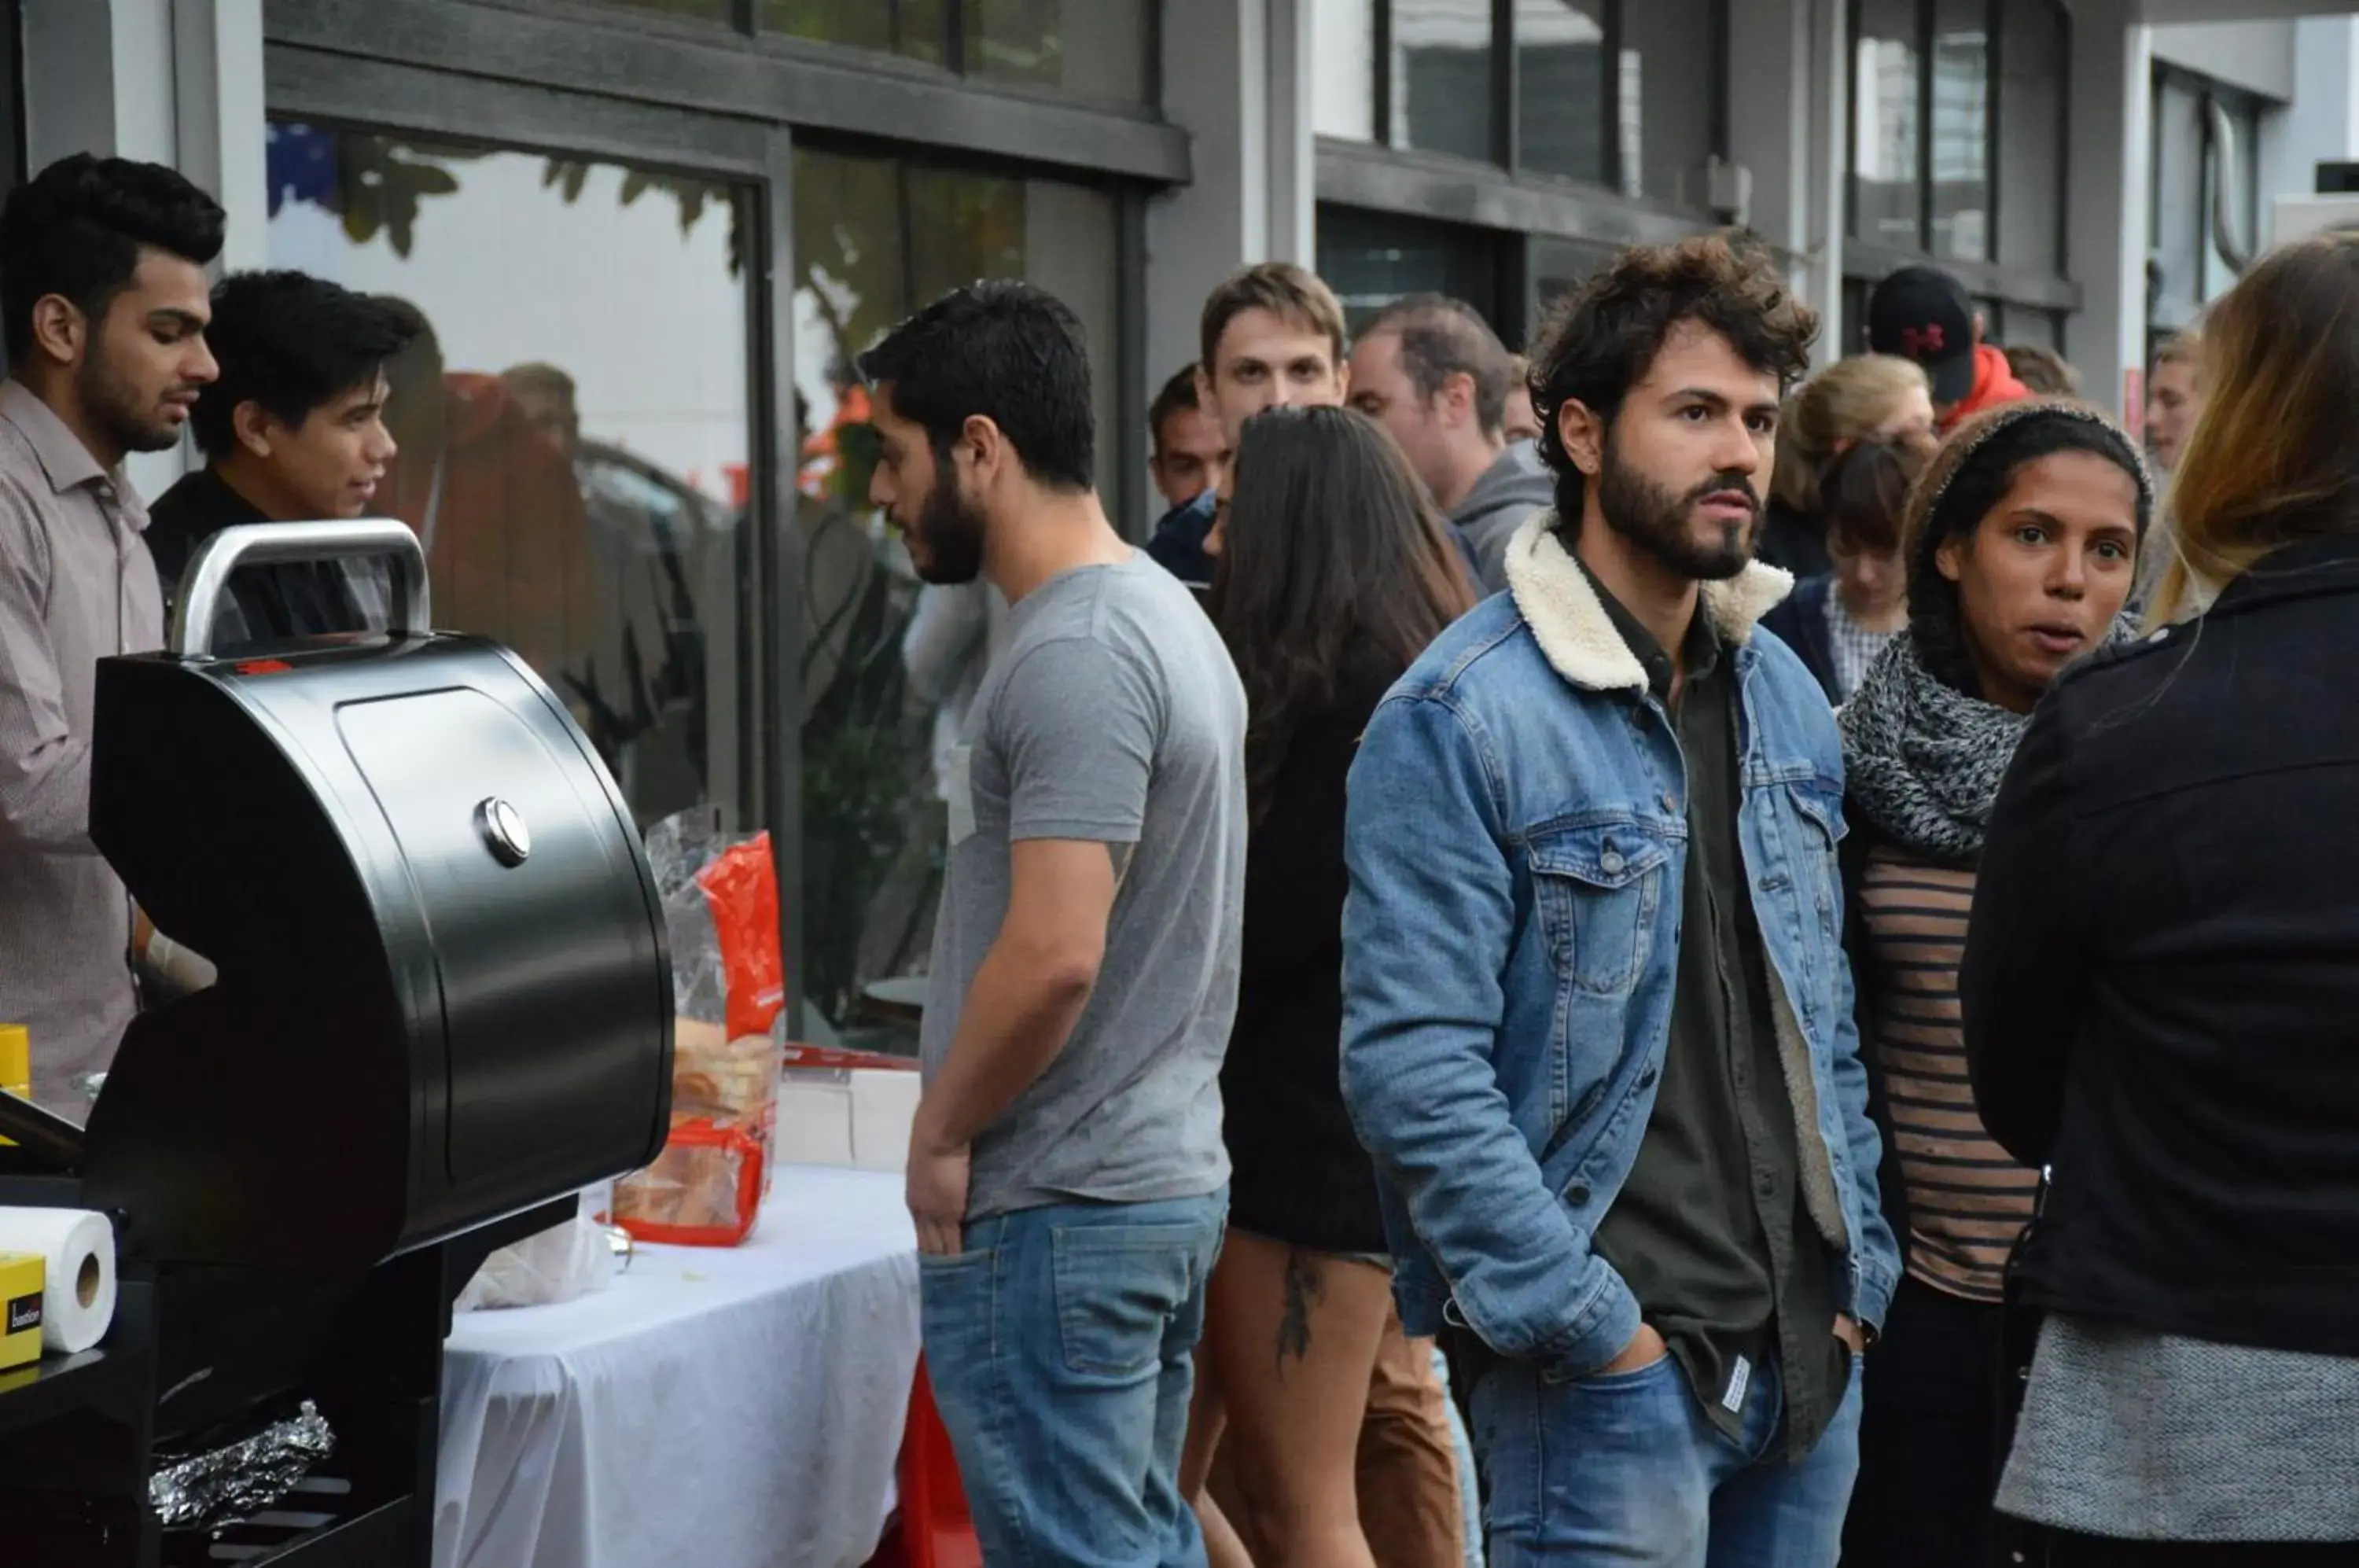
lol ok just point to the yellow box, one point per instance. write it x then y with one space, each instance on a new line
22 1275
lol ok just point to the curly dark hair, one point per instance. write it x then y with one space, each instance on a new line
1599 341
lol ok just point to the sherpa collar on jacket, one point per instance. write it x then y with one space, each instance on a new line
1570 623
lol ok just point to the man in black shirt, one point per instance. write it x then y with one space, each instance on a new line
293 432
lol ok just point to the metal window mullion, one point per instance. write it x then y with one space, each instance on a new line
1382 46
1722 72
1928 28
1994 76
1850 132
1506 87
1612 96
778 569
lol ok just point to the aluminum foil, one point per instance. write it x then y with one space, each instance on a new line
244 1478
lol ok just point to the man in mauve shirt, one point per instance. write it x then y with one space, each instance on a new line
102 285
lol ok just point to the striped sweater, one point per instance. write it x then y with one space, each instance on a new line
1968 1200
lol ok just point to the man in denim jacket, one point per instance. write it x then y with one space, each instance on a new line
1598 1029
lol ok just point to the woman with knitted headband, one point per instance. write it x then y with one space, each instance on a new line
2161 982
2021 543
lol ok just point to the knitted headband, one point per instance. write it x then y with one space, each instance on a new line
1976 435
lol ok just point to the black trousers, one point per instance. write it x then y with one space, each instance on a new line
1929 1459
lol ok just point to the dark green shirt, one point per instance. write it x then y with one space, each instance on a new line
1710 1232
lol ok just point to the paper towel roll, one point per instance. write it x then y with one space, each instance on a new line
78 1295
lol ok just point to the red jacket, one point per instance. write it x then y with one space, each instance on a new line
1994 383
510 552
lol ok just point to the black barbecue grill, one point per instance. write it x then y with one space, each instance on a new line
443 1006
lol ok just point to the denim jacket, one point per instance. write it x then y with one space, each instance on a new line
1517 837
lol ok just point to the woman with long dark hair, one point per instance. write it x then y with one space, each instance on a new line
2020 543
1333 576
2161 984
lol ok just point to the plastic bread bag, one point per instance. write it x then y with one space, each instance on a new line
556 1265
719 894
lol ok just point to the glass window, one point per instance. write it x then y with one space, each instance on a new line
919 30
2031 135
1442 80
886 661
1094 48
1561 89
1666 113
574 432
1371 259
1961 129
1344 69
2175 270
1557 267
702 10
1886 201
1852 338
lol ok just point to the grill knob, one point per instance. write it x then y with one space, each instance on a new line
505 831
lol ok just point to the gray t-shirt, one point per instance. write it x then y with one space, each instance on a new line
1114 717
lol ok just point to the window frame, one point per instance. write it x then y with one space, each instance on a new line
680 95
1867 261
2244 110
1524 207
1506 101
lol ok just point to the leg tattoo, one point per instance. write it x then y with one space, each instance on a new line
1305 1283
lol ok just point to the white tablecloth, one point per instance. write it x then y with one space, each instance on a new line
712 1407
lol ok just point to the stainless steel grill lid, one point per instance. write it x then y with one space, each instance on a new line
443 992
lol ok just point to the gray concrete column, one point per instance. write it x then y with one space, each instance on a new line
2105 237
1236 75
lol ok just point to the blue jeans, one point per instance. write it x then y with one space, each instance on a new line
1625 1469
1059 1344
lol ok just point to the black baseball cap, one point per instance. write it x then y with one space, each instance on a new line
1922 313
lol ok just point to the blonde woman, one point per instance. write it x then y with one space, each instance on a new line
1872 397
2161 977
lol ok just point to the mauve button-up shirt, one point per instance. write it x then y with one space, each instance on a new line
76 586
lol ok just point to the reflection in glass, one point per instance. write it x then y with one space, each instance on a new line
573 428
1443 87
919 30
1559 267
1562 97
888 663
1344 69
2178 218
1884 99
1371 259
1962 130
1094 47
1666 106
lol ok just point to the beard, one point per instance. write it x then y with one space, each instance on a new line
1650 517
119 411
949 536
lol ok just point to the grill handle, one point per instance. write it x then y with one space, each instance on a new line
273 544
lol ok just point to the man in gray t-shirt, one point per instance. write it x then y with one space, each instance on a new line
1114 717
1066 1174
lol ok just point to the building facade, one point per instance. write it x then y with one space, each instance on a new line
651 235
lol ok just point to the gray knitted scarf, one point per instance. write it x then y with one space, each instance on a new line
1922 760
